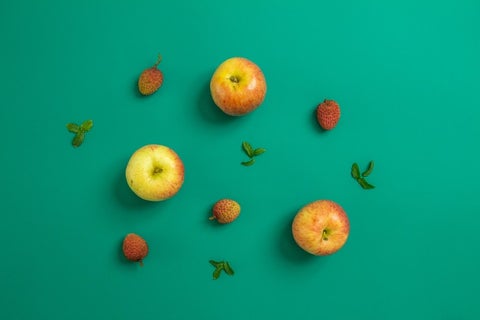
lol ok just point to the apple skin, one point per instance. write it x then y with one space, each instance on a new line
238 86
155 172
321 227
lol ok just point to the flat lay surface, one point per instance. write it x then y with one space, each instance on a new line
406 77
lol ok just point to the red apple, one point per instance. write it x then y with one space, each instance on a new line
238 86
321 227
155 172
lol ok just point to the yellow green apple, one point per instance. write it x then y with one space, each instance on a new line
155 172
321 227
238 86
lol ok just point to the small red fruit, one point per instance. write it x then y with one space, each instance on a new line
328 114
135 248
225 211
150 79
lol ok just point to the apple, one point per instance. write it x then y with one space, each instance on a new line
155 172
321 227
238 86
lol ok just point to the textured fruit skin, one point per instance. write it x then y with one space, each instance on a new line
238 86
225 211
315 218
150 80
135 248
328 114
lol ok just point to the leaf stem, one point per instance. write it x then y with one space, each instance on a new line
159 59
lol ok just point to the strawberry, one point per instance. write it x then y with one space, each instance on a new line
150 79
135 248
225 211
328 114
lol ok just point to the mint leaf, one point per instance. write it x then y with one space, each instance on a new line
247 147
248 163
215 263
87 125
72 127
216 273
365 184
355 171
228 269
369 170
78 139
79 131
258 151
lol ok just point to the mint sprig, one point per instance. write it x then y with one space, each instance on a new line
251 153
79 131
247 147
221 266
369 170
355 172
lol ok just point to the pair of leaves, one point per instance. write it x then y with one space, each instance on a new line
251 153
79 131
361 177
219 266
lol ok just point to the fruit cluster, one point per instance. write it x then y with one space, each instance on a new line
156 172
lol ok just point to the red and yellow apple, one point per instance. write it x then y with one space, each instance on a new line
321 227
155 172
238 86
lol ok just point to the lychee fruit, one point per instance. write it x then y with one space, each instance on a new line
328 114
135 248
225 211
150 79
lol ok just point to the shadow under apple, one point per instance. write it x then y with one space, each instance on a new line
207 108
126 197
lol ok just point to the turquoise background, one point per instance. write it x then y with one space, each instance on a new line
406 75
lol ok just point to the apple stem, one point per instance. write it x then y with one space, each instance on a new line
159 59
141 263
234 79
324 235
212 218
157 170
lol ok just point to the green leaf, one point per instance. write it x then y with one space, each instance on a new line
78 139
72 127
249 162
215 263
369 170
228 269
355 171
247 147
258 151
216 273
87 125
365 184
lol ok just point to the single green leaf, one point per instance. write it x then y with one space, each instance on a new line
228 269
216 273
369 170
87 125
258 151
355 171
247 147
78 139
365 184
72 127
215 263
249 162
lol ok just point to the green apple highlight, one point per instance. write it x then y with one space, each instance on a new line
155 172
